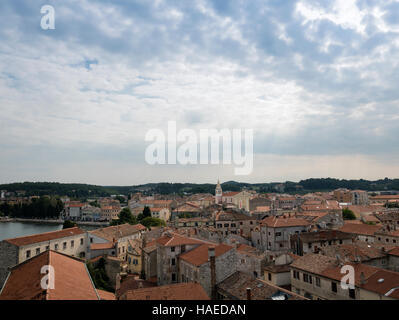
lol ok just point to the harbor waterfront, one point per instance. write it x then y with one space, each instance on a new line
13 228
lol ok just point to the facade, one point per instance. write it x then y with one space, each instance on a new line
307 242
160 213
230 222
274 233
319 277
116 237
196 265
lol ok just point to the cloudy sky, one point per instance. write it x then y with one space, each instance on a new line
317 81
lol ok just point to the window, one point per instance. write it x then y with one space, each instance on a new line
81 241
47 247
233 225
64 245
174 277
91 240
269 276
28 254
226 225
387 240
37 250
183 248
318 282
278 234
172 249
56 246
352 294
333 287
309 245
72 243
340 241
305 277
173 261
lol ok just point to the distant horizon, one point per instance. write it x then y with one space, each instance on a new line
221 182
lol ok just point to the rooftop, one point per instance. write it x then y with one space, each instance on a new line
46 236
199 255
178 291
71 279
116 232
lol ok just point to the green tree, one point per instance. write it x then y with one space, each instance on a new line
68 224
348 214
125 216
146 212
152 222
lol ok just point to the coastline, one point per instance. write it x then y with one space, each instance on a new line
55 221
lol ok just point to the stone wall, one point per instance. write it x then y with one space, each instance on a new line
8 258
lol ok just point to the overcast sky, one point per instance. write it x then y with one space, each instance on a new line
317 81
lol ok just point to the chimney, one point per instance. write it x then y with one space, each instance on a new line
211 255
248 293
117 282
362 278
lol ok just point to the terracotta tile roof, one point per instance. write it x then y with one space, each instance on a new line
133 283
105 295
388 287
322 235
116 232
102 246
174 239
230 194
394 252
233 216
314 263
362 229
276 222
46 236
246 248
199 255
359 251
235 288
178 291
71 279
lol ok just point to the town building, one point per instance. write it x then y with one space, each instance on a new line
67 279
305 242
72 241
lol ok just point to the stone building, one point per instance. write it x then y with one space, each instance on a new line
318 277
250 260
169 247
117 237
196 265
231 222
274 233
305 242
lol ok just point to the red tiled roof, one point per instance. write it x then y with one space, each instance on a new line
71 279
394 252
178 291
199 255
175 239
276 222
105 295
363 229
46 236
116 232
